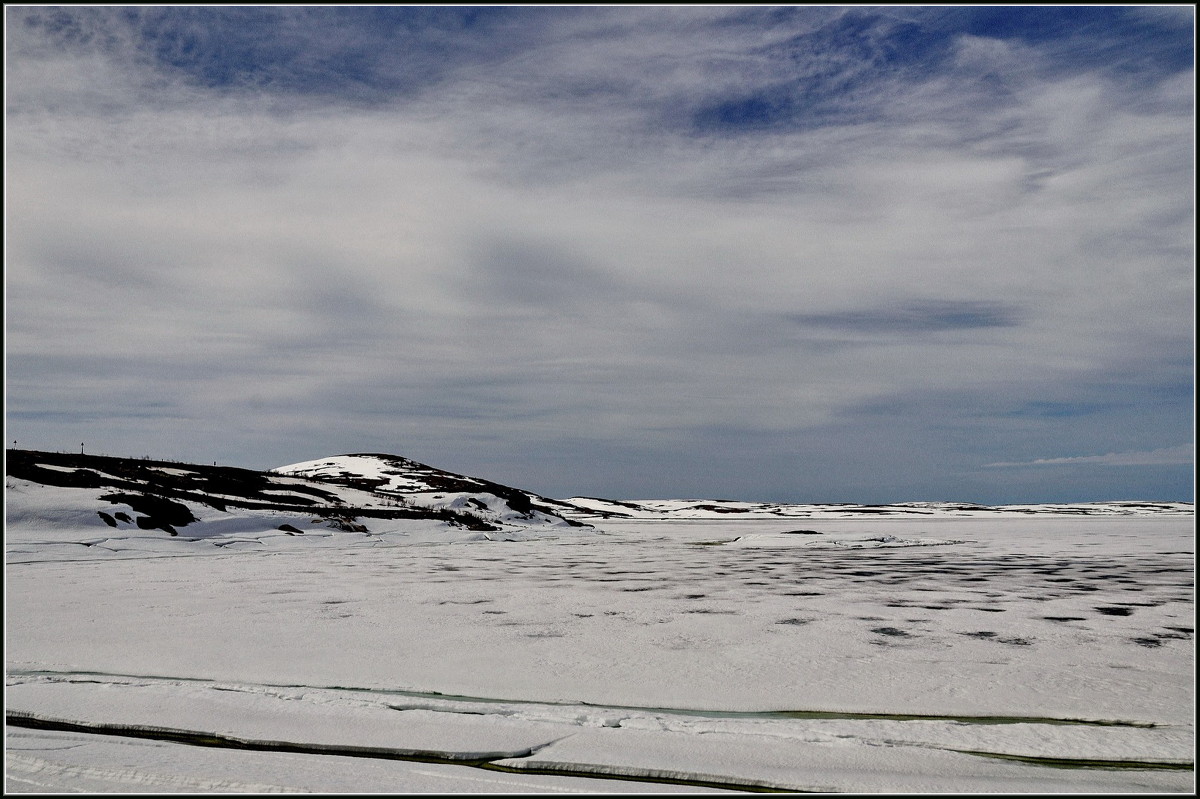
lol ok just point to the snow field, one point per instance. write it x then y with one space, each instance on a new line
707 652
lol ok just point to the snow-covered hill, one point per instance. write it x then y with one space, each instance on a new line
419 485
62 501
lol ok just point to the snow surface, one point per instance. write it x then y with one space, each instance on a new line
850 651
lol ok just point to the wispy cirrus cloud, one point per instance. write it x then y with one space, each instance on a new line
899 242
1181 455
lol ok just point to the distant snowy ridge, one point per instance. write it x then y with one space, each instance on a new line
732 509
115 503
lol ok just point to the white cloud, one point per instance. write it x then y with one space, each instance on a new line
538 243
1181 455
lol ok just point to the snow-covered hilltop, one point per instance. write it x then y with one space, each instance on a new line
419 485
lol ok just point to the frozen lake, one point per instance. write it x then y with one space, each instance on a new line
1001 654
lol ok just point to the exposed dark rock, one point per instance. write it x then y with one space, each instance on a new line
158 510
347 524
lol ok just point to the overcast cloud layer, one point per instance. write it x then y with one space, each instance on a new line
799 254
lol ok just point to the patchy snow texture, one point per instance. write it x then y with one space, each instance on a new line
915 648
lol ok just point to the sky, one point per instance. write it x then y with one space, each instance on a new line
776 253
